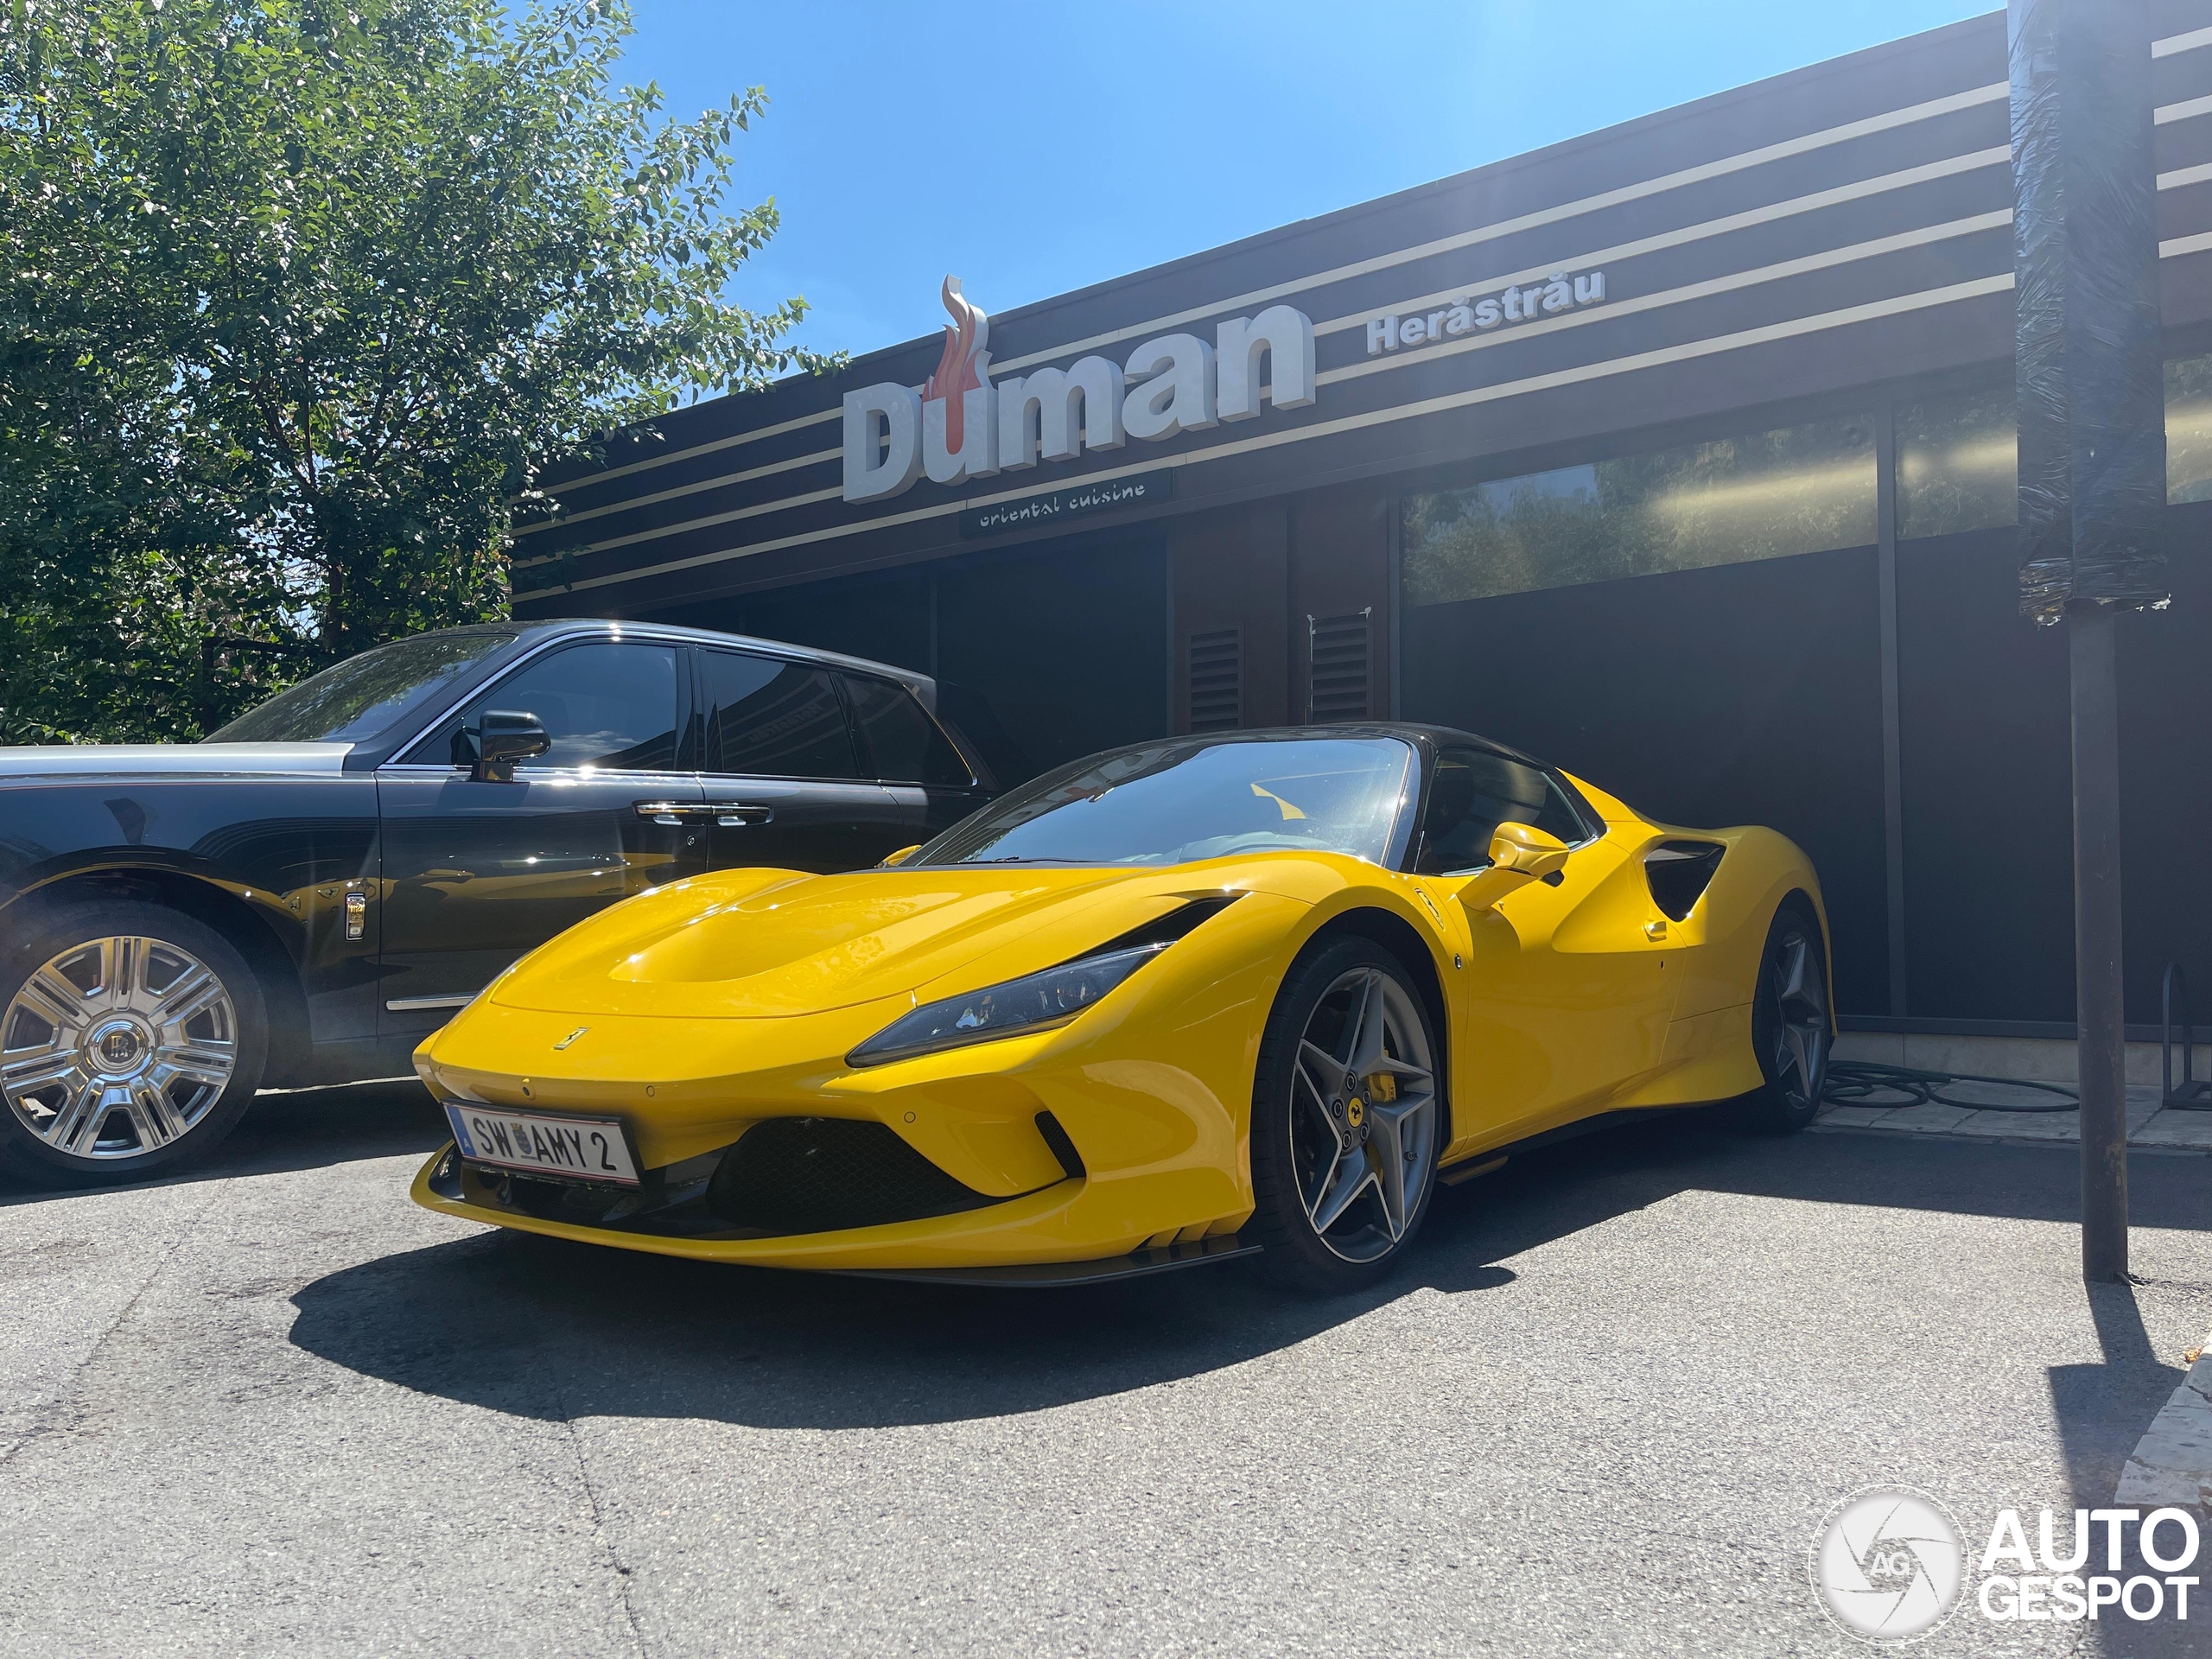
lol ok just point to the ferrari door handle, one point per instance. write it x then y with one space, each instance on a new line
1654 929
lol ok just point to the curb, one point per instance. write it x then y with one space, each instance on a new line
2172 1463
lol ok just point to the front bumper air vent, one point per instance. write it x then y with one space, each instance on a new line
820 1174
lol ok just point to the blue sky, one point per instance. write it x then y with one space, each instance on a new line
1034 148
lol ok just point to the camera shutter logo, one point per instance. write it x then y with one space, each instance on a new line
1888 1563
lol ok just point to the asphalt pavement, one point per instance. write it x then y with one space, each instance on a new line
274 1409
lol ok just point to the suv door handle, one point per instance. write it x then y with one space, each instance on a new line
729 814
732 815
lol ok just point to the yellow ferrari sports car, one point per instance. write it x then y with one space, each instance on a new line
1197 998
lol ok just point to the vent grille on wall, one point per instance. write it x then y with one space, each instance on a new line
1218 680
1339 686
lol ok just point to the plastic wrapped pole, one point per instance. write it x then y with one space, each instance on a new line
2093 475
2086 348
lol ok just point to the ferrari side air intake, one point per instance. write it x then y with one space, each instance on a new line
1680 871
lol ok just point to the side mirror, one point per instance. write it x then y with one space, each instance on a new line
1527 850
504 737
1519 854
900 856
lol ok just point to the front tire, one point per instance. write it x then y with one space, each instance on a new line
1791 1028
1347 1120
131 1040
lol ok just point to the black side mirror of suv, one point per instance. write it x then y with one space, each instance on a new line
504 737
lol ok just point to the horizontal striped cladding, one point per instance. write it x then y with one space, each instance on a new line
695 479
1843 202
783 457
1838 357
1749 253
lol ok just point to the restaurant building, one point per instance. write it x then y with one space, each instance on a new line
1681 455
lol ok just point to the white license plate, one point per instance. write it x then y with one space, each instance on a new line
578 1149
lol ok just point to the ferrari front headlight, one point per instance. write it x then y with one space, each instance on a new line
1034 1002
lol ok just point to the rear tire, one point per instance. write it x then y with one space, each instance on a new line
131 1041
1347 1120
1791 1027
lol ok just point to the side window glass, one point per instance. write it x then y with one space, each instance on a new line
1472 792
899 743
772 719
607 706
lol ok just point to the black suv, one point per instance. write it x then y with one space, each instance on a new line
301 896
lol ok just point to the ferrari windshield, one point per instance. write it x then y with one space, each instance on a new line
360 696
1180 800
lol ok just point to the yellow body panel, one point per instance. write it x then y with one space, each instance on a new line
715 1003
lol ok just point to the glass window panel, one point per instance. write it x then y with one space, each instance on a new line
608 708
899 743
1796 489
2189 430
773 719
1957 464
1184 799
362 696
1470 793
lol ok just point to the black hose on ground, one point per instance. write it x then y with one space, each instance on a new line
1850 1083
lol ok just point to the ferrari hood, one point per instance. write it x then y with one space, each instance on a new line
765 944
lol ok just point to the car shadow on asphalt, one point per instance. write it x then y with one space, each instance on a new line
547 1329
301 1128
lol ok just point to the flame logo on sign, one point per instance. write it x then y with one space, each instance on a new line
967 333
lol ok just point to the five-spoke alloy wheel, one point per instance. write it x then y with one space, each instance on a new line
1347 1120
1791 1028
126 1033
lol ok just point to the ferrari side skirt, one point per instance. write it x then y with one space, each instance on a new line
1477 1163
1054 1275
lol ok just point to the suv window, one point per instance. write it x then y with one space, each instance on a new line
607 706
1472 792
899 743
772 719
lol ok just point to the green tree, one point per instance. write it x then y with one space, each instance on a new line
299 296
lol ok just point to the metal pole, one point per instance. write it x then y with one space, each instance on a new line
2087 350
2099 1011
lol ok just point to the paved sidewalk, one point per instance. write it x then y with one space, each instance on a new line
2173 1462
2147 1125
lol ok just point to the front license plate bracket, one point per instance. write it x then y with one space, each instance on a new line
573 1149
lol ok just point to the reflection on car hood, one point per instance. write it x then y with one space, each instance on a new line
178 759
766 943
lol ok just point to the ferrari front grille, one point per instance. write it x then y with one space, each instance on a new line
819 1174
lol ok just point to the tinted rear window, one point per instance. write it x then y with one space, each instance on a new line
899 743
773 719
